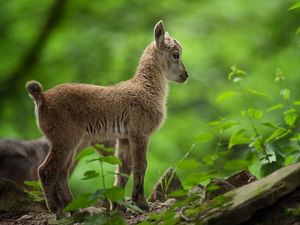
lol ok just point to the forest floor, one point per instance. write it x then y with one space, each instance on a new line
44 218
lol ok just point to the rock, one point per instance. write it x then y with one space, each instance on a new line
285 211
239 205
241 178
217 187
14 200
168 182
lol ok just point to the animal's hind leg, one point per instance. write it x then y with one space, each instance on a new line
48 175
54 178
123 171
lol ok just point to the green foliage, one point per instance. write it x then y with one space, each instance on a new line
36 193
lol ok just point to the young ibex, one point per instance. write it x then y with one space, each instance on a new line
73 116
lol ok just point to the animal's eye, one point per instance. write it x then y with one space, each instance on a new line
176 55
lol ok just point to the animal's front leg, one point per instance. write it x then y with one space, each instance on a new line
138 149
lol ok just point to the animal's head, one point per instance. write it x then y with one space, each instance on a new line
170 51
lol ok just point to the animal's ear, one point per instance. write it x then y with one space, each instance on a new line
159 34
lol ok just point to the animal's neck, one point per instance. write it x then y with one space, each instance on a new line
150 74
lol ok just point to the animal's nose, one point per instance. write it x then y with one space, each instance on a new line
186 74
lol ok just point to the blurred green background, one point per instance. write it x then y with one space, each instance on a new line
101 41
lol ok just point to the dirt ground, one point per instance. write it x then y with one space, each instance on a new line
44 218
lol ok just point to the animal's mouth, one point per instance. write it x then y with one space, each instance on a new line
183 78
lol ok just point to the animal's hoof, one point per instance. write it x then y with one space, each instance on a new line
142 204
60 214
117 207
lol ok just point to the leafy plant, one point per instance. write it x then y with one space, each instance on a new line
111 194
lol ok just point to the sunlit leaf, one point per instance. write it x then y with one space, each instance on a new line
285 93
278 134
188 164
101 148
270 124
111 160
204 137
296 103
238 138
228 124
237 164
255 92
214 123
84 153
108 159
212 187
235 73
178 193
290 117
115 194
210 159
295 6
275 107
255 114
226 95
80 201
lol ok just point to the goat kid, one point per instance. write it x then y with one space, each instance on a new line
74 116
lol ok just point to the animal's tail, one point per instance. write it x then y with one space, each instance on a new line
35 89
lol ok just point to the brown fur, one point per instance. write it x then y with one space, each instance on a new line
73 116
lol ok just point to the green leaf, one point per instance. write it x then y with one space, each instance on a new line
238 138
278 134
111 160
36 185
178 193
214 123
188 164
285 93
96 219
255 92
115 220
84 153
270 124
227 95
236 73
228 124
295 6
120 174
212 187
90 174
195 178
269 168
108 159
296 103
290 117
298 31
204 137
210 159
237 164
279 76
101 148
255 114
275 107
115 194
80 201
145 223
